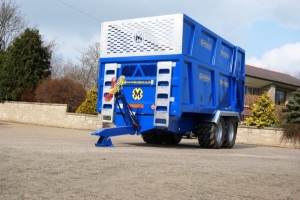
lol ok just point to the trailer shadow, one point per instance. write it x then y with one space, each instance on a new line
184 146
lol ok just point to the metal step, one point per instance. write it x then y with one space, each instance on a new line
162 102
163 91
107 110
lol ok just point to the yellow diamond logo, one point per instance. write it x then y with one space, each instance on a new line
137 94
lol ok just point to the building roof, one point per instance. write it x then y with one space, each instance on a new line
271 76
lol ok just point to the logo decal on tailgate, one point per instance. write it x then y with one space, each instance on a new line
137 93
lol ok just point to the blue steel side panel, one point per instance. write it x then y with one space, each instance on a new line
224 92
240 75
204 80
188 37
206 49
226 57
187 91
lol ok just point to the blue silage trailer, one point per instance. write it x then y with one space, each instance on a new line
162 76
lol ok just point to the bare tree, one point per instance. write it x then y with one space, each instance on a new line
89 64
296 74
57 67
51 45
61 68
12 22
74 72
84 72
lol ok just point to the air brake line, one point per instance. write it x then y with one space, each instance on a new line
115 91
133 120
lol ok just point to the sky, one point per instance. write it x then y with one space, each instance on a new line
268 30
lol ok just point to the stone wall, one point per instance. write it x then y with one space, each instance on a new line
56 115
47 115
265 137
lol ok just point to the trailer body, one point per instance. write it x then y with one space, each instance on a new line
179 76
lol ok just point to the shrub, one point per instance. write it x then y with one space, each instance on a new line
262 113
28 95
64 90
89 105
291 118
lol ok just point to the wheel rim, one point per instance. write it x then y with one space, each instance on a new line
230 132
219 131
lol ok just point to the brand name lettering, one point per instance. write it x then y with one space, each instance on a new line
224 54
205 44
224 83
203 77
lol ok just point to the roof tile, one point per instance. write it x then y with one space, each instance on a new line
271 75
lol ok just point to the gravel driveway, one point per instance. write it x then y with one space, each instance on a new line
54 163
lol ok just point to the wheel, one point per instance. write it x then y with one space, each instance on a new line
211 135
230 133
159 137
173 138
162 136
145 136
151 137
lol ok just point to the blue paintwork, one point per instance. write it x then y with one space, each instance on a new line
106 133
208 77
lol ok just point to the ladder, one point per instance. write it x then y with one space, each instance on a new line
110 71
162 96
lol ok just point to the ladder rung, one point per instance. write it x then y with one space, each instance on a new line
161 114
163 78
163 90
162 102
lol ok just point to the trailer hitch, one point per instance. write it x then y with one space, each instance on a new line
132 125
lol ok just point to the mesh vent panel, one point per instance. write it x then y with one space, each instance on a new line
144 36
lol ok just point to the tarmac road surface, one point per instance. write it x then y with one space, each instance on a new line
54 163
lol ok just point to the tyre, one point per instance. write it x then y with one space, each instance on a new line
173 138
211 135
162 137
151 137
230 133
159 137
145 136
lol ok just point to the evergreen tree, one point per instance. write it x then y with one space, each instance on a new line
89 105
5 76
27 63
291 118
292 111
262 113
